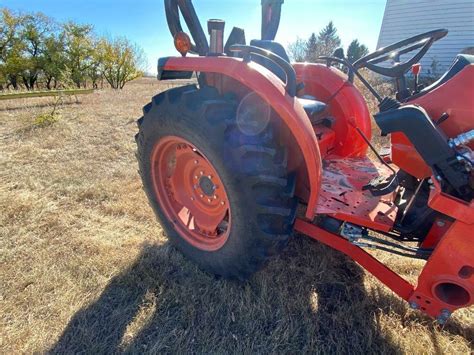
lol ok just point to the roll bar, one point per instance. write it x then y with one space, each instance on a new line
172 8
271 14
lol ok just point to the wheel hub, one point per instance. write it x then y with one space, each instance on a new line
207 186
191 193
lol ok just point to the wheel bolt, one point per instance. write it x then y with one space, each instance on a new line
201 195
209 176
208 200
196 177
222 203
201 172
195 162
192 198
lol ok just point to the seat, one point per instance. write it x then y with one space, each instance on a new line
461 61
312 107
274 47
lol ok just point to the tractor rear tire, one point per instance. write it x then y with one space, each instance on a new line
187 125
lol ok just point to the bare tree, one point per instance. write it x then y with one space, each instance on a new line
297 50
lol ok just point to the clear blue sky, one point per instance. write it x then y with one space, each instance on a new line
144 22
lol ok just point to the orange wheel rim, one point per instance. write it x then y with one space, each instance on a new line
191 193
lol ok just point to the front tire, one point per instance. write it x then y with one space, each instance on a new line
223 197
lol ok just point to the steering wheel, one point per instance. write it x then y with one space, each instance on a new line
394 51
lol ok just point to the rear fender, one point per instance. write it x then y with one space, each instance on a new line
345 104
260 80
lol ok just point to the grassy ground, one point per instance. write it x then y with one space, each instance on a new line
85 266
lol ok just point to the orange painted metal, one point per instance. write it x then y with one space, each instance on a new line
342 195
445 284
345 103
455 97
262 81
436 232
179 171
442 284
395 282
326 138
451 206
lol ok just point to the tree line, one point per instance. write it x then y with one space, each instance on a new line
324 44
38 52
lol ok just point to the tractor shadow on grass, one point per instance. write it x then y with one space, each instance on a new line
309 299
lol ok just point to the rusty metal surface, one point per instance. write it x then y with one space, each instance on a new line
342 197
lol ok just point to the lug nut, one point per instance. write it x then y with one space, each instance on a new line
208 200
201 195
201 172
192 198
222 203
195 162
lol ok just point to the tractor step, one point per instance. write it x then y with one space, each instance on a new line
342 195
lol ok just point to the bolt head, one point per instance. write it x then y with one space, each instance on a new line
195 162
201 195
414 305
222 203
201 172
192 198
443 316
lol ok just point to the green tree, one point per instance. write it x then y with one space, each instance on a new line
316 46
36 28
121 61
11 47
54 60
356 51
312 48
79 51
328 40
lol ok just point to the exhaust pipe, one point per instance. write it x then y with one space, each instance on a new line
216 32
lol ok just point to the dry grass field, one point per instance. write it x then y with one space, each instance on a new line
86 268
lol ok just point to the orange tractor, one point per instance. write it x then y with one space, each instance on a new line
260 148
